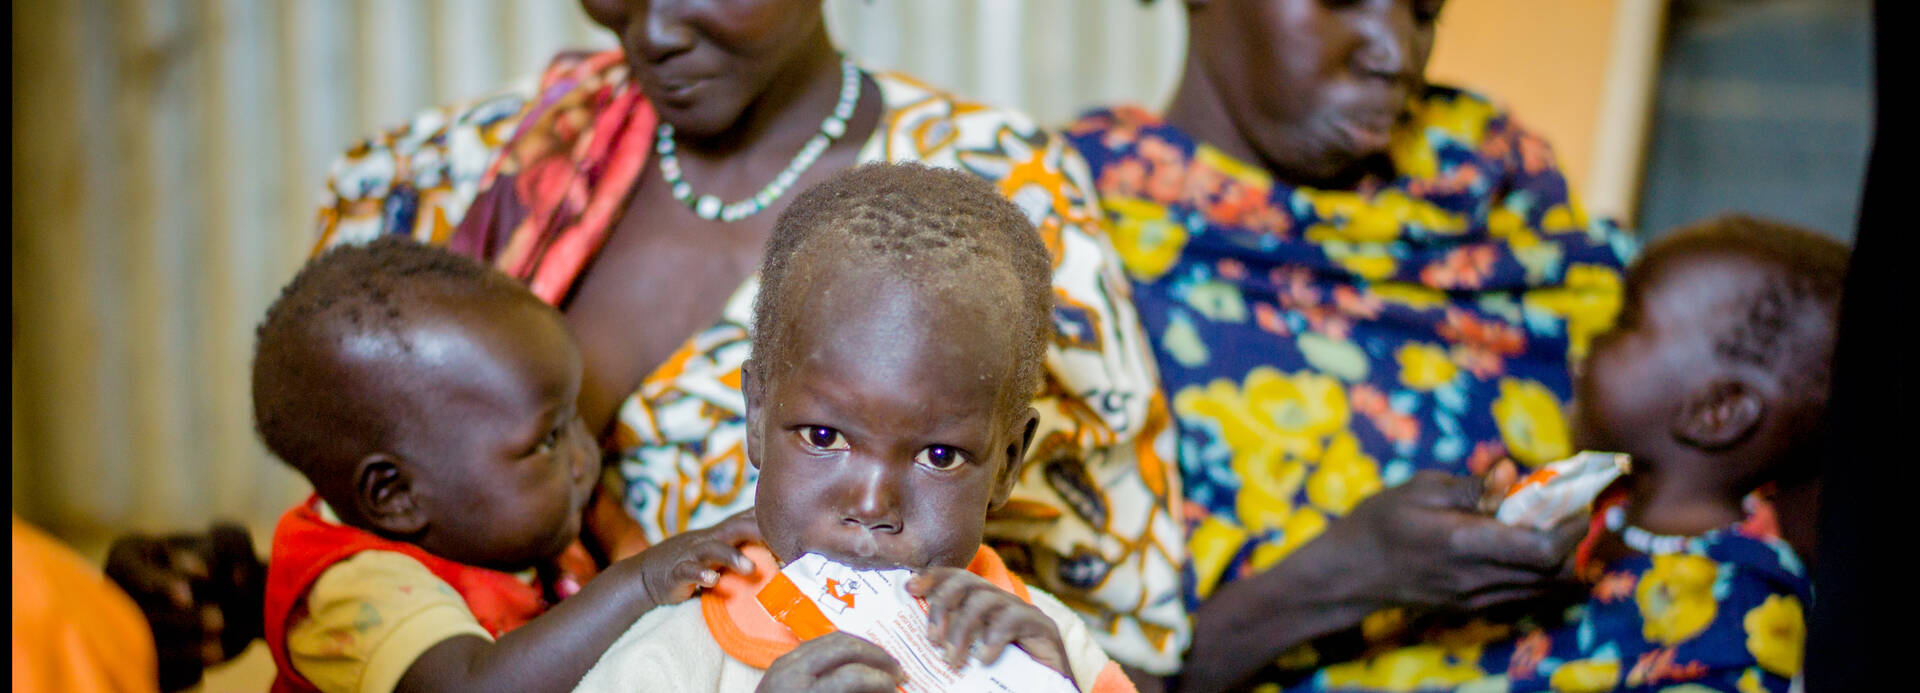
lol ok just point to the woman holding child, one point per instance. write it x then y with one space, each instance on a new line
635 189
1353 280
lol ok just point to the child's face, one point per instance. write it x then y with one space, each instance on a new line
881 443
501 464
1630 390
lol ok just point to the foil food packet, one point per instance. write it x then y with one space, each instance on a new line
814 596
1561 489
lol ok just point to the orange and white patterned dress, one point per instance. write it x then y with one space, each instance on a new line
532 180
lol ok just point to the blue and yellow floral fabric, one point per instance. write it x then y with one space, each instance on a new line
1319 345
1727 613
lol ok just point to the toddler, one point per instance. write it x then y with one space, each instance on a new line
1715 382
898 336
430 401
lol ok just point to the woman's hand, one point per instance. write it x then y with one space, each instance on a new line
1425 544
1428 544
673 570
968 616
834 663
202 595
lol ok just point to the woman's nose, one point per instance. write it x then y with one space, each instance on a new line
870 499
1386 41
667 30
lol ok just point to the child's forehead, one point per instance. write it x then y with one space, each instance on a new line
1696 264
437 338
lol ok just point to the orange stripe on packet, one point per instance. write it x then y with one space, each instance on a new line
791 607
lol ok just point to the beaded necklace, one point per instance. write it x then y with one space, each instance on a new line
1642 540
711 207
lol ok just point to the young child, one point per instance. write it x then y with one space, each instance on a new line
898 335
430 401
1715 382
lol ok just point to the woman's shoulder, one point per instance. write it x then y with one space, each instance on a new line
933 126
932 121
420 175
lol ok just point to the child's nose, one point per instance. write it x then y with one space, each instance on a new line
586 457
871 500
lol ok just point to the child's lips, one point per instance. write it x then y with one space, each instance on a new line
862 551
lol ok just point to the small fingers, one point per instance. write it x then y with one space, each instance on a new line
941 587
997 636
961 631
720 555
856 678
694 574
838 650
739 528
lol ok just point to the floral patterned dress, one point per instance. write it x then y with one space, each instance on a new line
1727 612
533 179
1319 345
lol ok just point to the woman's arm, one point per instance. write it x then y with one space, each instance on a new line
1423 544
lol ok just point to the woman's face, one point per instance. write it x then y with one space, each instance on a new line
704 62
1315 85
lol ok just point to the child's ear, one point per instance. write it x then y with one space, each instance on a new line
751 391
1719 414
384 495
1028 423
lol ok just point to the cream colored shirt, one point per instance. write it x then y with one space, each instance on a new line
670 649
369 617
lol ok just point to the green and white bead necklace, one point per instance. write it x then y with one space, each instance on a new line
710 207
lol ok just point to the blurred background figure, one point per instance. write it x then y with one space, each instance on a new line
72 629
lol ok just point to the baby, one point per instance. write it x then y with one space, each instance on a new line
430 401
1715 382
1715 379
898 337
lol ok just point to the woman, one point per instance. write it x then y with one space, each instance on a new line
635 188
1351 280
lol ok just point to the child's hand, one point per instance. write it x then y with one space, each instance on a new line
834 662
672 570
967 615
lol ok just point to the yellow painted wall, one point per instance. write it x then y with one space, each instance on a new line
1545 59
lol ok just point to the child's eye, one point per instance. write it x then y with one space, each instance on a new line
823 438
941 457
548 442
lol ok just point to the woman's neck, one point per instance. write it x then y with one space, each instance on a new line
1199 110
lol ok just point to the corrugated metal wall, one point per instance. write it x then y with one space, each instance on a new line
167 154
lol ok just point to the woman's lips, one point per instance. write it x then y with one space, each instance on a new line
680 92
1367 132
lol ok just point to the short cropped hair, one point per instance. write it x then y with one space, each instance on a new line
1791 321
372 289
953 231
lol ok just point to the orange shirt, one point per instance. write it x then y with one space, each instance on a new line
73 630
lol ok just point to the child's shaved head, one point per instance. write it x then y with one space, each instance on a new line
1720 363
353 296
1789 321
951 232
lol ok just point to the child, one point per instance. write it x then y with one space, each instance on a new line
1715 382
430 401
898 336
